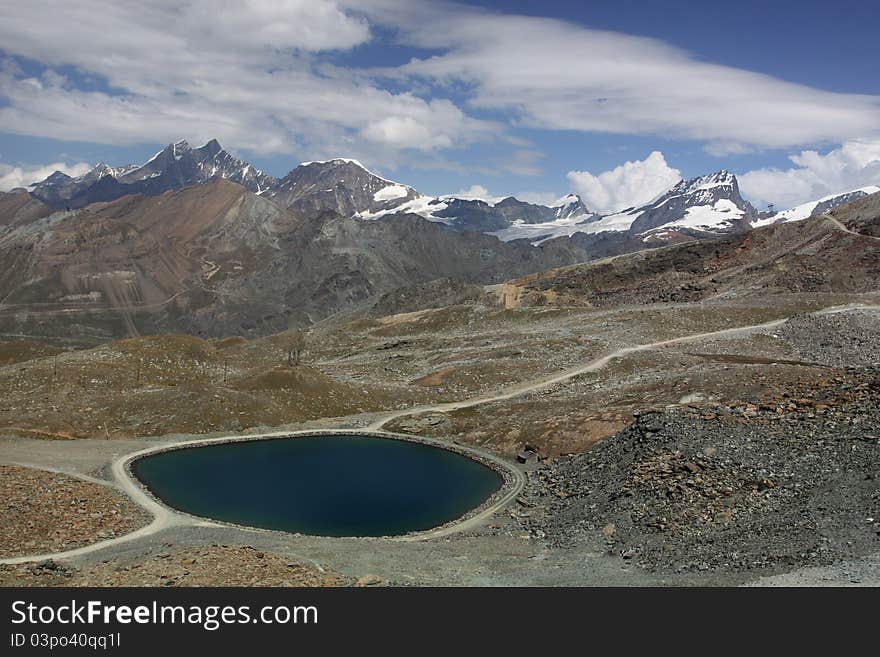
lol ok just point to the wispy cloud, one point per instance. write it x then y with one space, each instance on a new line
554 75
12 176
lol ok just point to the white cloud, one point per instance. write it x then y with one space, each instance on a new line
475 192
855 164
630 184
406 131
311 25
253 74
552 74
12 176
263 76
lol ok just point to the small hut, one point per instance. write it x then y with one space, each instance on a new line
528 455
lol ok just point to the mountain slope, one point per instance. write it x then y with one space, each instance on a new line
134 251
18 207
216 259
692 209
810 256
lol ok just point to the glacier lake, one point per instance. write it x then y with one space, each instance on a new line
328 485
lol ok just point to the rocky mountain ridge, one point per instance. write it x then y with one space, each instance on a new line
175 166
696 208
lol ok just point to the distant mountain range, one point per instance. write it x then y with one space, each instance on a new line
196 240
175 166
216 259
700 207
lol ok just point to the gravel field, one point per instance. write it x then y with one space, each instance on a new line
46 512
212 565
850 339
727 489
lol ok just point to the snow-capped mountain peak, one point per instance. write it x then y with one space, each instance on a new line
567 200
180 148
53 178
343 185
569 206
710 203
101 169
336 161
721 178
698 206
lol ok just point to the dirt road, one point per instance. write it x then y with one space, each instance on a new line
840 226
591 366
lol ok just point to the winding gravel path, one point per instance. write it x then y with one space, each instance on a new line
839 226
591 366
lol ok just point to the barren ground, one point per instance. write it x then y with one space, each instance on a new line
210 565
50 512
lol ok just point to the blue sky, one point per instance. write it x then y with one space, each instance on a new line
526 98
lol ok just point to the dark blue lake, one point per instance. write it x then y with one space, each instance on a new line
324 485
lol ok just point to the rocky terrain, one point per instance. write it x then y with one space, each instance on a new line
164 384
764 482
211 565
841 340
725 490
47 512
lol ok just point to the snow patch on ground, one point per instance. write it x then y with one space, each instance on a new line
805 210
424 206
722 214
390 192
538 233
